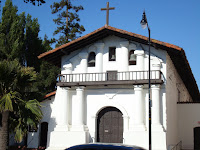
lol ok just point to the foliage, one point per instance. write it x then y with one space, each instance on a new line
40 2
15 80
11 33
67 21
20 83
33 44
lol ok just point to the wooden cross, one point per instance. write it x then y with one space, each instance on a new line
107 12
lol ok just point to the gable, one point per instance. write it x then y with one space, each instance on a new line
176 53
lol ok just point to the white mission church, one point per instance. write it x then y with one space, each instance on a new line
102 94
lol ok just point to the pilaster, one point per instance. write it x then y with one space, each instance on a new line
99 57
124 56
83 56
63 107
139 108
79 112
156 116
157 68
140 60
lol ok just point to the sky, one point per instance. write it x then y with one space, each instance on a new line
173 21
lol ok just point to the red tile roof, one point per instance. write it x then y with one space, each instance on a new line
50 94
111 29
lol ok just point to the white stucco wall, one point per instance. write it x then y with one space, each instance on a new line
173 85
189 118
74 60
33 140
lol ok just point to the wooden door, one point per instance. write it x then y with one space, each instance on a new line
43 134
110 126
197 138
111 75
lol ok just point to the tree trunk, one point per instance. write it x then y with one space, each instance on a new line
67 20
4 131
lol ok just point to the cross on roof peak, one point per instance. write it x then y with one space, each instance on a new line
107 12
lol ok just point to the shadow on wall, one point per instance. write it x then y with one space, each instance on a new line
51 126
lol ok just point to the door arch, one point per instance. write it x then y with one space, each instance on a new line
110 126
196 138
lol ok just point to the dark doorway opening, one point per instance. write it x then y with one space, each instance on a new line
43 134
110 126
197 138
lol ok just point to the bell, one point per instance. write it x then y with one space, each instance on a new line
112 57
91 61
132 57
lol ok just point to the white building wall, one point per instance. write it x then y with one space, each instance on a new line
189 118
33 140
73 62
94 99
175 91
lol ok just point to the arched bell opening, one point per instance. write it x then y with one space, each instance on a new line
132 58
91 59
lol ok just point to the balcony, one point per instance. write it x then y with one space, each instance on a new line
110 78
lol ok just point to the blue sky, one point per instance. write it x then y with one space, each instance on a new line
172 21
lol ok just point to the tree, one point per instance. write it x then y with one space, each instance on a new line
33 44
67 21
18 105
12 33
15 106
46 78
19 39
40 2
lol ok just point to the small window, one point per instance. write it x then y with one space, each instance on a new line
132 58
112 53
91 59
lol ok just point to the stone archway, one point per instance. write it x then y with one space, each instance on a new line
110 125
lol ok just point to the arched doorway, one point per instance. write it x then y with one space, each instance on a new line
43 134
110 126
196 138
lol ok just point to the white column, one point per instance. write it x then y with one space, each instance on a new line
67 69
83 56
140 63
124 56
99 57
156 73
140 60
139 116
63 107
156 117
78 112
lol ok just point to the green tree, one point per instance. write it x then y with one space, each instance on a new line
39 2
18 105
12 33
67 21
33 44
15 105
46 78
19 39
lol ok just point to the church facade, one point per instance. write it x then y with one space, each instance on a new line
102 92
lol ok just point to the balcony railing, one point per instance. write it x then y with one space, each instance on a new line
110 77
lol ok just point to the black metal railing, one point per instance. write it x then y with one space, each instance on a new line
110 76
